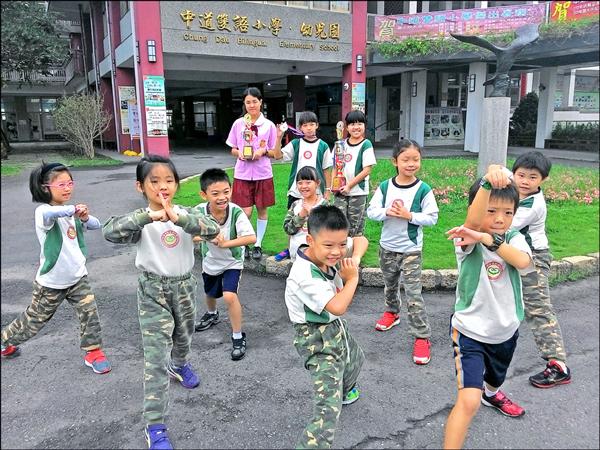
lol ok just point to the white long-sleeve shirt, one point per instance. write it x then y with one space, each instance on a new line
400 235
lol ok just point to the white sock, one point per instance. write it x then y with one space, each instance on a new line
237 335
212 312
261 228
489 393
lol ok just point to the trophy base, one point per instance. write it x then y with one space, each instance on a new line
247 152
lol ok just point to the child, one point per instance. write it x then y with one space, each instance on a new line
359 159
316 295
166 294
223 257
405 204
530 171
294 224
489 306
306 151
62 273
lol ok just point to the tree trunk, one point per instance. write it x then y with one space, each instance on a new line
6 148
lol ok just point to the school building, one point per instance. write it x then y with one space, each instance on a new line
172 72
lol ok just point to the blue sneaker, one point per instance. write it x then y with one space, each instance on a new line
285 254
185 375
157 437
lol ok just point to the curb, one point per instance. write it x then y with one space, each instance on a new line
432 280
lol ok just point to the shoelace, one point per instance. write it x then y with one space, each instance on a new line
421 344
186 372
96 355
160 436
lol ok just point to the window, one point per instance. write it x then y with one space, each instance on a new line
124 7
48 104
303 4
340 6
204 116
320 5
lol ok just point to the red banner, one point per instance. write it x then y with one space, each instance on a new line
569 11
462 21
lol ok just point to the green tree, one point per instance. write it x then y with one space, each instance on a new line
524 120
31 41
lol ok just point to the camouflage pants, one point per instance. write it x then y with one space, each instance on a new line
539 312
393 265
166 308
334 360
44 304
354 207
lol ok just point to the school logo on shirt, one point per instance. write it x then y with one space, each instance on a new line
169 238
494 270
347 157
307 154
71 233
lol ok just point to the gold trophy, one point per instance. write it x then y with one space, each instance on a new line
248 152
339 180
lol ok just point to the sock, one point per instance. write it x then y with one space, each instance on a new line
237 335
562 365
212 312
261 227
489 393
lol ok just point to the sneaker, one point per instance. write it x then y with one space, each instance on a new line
387 321
503 404
421 351
552 376
207 321
257 253
97 361
351 396
157 438
10 351
282 255
185 375
246 253
239 348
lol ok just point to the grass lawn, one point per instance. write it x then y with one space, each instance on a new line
20 161
571 193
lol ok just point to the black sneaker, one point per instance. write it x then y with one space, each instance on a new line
239 348
552 376
257 253
207 321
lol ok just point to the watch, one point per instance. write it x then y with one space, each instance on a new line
485 184
498 240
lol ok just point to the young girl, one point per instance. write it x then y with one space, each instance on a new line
253 175
405 204
359 159
294 224
62 273
166 292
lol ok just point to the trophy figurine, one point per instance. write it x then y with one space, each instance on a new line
248 152
339 180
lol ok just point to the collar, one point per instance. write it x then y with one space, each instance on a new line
301 249
404 186
260 120
226 213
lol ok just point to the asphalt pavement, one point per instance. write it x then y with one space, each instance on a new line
50 399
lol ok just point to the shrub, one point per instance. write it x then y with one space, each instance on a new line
573 132
80 119
524 120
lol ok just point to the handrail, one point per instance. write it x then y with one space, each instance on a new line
385 123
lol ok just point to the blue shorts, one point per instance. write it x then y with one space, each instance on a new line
228 281
477 362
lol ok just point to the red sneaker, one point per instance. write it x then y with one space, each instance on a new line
387 321
503 404
97 361
10 351
421 351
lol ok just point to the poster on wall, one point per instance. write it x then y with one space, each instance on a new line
133 118
155 105
444 126
126 93
358 96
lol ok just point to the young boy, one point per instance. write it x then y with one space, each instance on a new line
316 295
530 171
308 150
489 305
223 257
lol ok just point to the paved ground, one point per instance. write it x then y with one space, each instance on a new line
50 400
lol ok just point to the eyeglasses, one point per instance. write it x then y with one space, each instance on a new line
67 184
